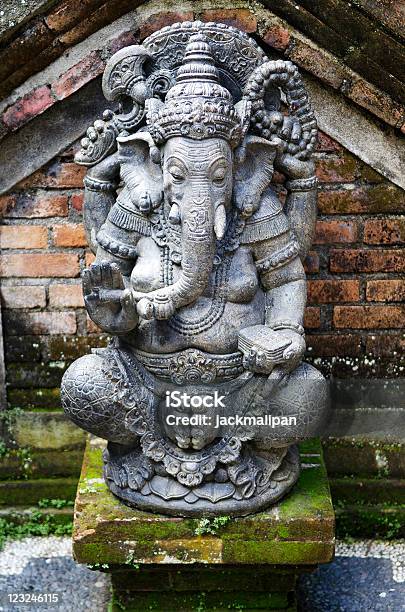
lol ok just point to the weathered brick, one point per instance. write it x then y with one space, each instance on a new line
20 51
66 296
78 75
385 290
94 21
369 317
23 296
316 60
327 144
328 232
61 348
333 345
92 328
30 375
23 237
376 101
241 18
277 35
39 205
76 201
160 20
384 231
69 235
311 263
39 323
312 318
375 260
383 198
90 257
41 265
66 14
7 203
125 39
329 291
32 104
56 174
386 345
24 348
340 170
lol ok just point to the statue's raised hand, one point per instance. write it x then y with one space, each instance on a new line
108 303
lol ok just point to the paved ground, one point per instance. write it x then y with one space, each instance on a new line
365 576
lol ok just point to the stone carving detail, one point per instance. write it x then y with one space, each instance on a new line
198 274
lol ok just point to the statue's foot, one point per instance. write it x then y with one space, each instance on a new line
249 485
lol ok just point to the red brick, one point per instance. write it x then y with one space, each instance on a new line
160 20
329 291
312 318
7 203
369 317
336 170
92 328
333 345
41 323
38 266
70 12
39 205
372 260
386 345
90 257
277 37
382 198
328 232
61 175
311 263
76 201
316 60
384 231
327 144
23 237
81 73
376 101
243 19
23 296
66 296
125 39
69 235
385 290
32 104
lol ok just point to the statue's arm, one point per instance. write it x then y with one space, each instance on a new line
282 278
100 192
107 282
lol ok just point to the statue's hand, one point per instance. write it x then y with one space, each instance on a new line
289 131
108 303
256 361
294 353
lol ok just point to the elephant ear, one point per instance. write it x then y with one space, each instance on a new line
141 170
254 168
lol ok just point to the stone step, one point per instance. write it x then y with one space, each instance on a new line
25 492
370 521
358 490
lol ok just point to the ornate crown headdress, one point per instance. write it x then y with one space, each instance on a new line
197 105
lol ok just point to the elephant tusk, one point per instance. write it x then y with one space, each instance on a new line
174 214
220 221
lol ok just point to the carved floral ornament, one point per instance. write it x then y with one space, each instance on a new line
198 274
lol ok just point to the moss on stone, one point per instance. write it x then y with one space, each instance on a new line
24 492
297 530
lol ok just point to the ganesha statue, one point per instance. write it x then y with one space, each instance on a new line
198 278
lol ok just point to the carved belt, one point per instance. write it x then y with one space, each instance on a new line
192 366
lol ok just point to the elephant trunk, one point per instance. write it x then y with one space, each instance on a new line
202 222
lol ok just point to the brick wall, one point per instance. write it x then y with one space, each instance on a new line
354 314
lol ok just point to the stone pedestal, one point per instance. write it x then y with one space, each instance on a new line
164 563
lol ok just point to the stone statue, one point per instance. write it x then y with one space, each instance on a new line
198 275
